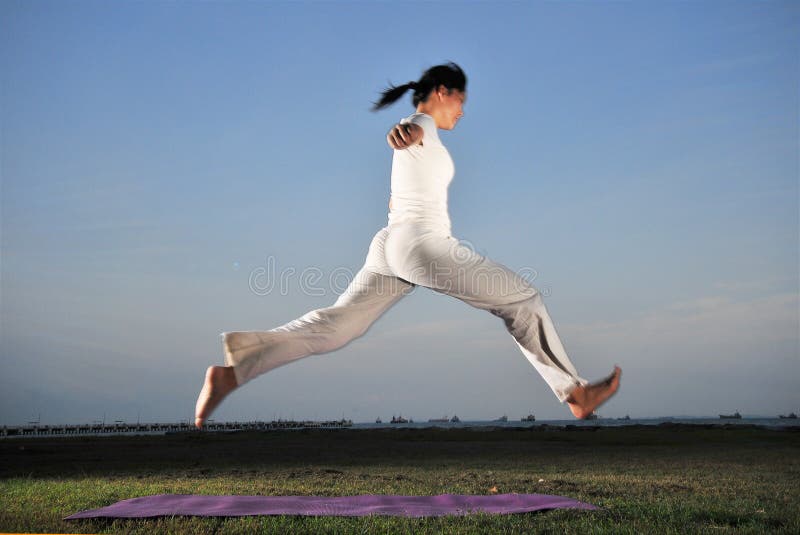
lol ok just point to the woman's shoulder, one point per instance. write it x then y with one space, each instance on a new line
419 118
425 121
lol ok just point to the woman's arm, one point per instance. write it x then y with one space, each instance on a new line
402 136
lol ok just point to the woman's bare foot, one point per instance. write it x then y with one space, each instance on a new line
585 399
219 382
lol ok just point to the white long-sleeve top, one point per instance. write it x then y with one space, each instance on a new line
421 175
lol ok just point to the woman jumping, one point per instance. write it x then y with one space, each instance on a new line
414 249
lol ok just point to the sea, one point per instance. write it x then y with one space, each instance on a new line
475 425
771 423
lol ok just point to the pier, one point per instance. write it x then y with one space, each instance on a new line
163 428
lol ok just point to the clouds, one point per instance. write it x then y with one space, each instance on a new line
720 320
703 355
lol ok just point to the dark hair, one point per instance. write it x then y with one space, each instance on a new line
449 75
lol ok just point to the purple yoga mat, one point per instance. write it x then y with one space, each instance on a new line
370 504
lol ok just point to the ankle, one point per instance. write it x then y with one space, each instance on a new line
577 396
230 377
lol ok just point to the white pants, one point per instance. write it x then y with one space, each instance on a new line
400 257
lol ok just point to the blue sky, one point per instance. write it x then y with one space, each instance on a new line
641 157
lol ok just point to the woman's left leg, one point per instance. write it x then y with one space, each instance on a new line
442 263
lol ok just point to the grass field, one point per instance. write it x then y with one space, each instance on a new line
664 479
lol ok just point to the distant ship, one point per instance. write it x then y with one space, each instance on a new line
378 421
455 419
444 419
503 418
528 418
791 416
593 416
399 420
734 416
626 417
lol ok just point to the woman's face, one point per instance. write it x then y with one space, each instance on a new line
451 106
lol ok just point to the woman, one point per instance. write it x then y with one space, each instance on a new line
414 249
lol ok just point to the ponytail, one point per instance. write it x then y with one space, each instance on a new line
392 94
449 75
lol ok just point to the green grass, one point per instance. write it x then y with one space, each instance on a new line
666 479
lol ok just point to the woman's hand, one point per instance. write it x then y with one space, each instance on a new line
402 136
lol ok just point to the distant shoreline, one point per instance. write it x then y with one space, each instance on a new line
226 428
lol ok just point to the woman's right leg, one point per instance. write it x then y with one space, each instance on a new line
369 295
249 354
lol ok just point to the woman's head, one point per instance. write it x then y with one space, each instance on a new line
440 92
